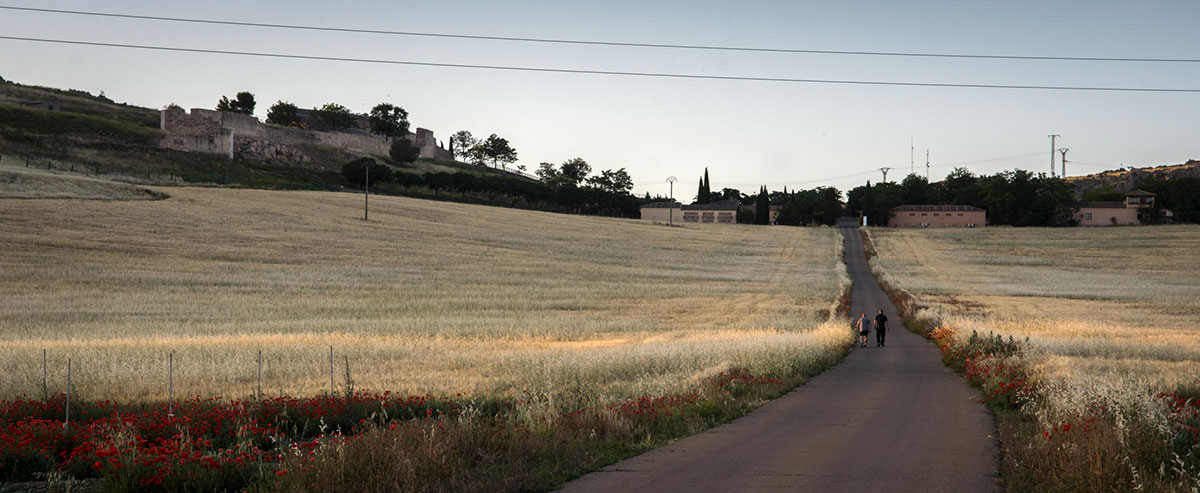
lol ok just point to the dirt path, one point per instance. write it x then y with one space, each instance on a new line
885 419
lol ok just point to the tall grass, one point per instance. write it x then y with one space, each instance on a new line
427 297
1111 348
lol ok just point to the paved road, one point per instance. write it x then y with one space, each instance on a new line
885 419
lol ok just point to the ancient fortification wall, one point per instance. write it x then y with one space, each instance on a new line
238 135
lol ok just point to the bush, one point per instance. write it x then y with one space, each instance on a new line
354 172
403 151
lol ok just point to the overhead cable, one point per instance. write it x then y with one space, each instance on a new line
605 72
605 43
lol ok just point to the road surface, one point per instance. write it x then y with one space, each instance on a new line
885 419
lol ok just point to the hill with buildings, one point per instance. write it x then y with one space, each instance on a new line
75 132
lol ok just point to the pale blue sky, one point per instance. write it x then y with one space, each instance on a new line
746 133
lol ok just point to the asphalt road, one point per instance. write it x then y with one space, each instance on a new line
885 419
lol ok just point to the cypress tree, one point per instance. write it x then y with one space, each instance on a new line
707 187
701 197
762 207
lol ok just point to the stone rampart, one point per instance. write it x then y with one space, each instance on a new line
235 134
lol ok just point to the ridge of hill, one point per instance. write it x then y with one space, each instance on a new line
1127 179
96 136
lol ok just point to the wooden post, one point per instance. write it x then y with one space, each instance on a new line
171 385
330 371
366 189
258 392
67 421
45 391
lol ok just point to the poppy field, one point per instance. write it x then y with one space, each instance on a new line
246 339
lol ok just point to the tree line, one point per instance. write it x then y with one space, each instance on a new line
586 197
1014 198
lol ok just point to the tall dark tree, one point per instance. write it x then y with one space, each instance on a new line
497 151
701 197
762 207
332 116
282 113
387 119
576 169
403 151
462 143
708 195
242 103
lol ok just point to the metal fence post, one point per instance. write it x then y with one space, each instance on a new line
171 385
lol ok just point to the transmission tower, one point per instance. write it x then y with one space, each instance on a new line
1064 161
885 169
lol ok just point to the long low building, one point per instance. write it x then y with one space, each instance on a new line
721 211
662 212
1134 210
937 216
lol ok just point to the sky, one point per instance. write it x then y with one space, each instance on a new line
747 133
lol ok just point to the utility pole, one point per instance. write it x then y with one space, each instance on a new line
885 169
926 165
366 186
1052 148
671 207
912 164
1064 161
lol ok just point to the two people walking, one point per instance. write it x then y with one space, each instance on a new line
864 327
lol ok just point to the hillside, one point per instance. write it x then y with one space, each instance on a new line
1124 180
95 136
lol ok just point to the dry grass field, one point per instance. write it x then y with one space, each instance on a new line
427 296
1109 303
17 182
1103 397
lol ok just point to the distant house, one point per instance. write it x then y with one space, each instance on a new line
1132 211
774 215
937 216
43 105
663 212
721 211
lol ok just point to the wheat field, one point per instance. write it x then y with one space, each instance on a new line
1117 304
426 297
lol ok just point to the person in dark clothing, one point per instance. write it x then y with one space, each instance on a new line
880 328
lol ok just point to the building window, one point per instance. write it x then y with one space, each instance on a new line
935 213
1087 216
912 214
924 214
960 214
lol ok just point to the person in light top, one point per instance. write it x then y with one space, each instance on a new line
864 327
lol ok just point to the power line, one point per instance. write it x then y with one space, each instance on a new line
606 72
867 172
604 43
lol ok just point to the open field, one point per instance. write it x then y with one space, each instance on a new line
24 183
1124 301
426 297
1105 395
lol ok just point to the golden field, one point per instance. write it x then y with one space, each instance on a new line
426 297
1120 302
